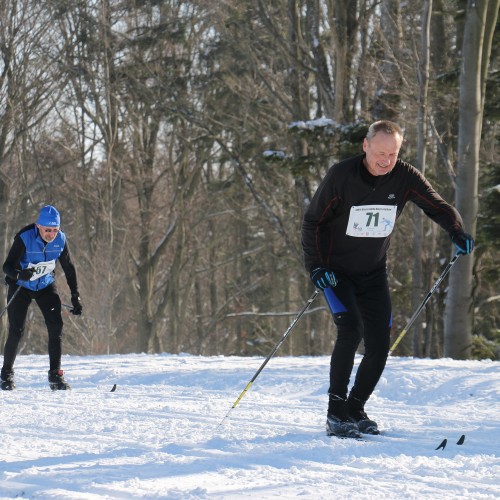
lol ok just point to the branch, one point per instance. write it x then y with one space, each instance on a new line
487 301
272 314
442 152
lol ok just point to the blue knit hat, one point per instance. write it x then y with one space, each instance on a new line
49 217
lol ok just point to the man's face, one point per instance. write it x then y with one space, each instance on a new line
48 234
381 152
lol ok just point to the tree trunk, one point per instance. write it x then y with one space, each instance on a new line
422 113
387 101
344 28
321 69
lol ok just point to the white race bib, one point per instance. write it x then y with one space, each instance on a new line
371 221
42 268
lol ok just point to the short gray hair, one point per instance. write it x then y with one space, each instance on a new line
385 126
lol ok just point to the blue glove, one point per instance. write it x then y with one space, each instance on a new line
464 243
323 278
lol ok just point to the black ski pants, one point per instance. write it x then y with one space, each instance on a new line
49 302
361 308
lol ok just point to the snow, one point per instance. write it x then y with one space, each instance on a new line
313 124
278 155
163 432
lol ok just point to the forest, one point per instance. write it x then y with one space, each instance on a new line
182 141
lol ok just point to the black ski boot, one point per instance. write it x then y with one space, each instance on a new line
356 410
8 383
57 382
338 422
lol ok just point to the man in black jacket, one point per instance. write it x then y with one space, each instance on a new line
345 236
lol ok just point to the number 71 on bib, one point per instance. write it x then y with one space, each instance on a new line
371 221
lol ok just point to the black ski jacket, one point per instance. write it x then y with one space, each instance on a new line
348 223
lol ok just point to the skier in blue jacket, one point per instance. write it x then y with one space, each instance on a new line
29 270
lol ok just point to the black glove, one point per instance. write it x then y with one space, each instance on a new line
464 242
322 278
77 304
26 274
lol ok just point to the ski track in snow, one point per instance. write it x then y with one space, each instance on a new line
158 435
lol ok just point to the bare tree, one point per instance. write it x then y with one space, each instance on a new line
478 35
422 114
29 73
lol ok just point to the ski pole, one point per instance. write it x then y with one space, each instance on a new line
271 354
424 302
10 301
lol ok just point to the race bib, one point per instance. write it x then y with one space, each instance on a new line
371 221
42 268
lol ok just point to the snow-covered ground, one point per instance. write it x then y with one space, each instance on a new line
158 434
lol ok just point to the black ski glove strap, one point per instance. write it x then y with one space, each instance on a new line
26 274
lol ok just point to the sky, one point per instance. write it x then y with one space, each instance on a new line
169 431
